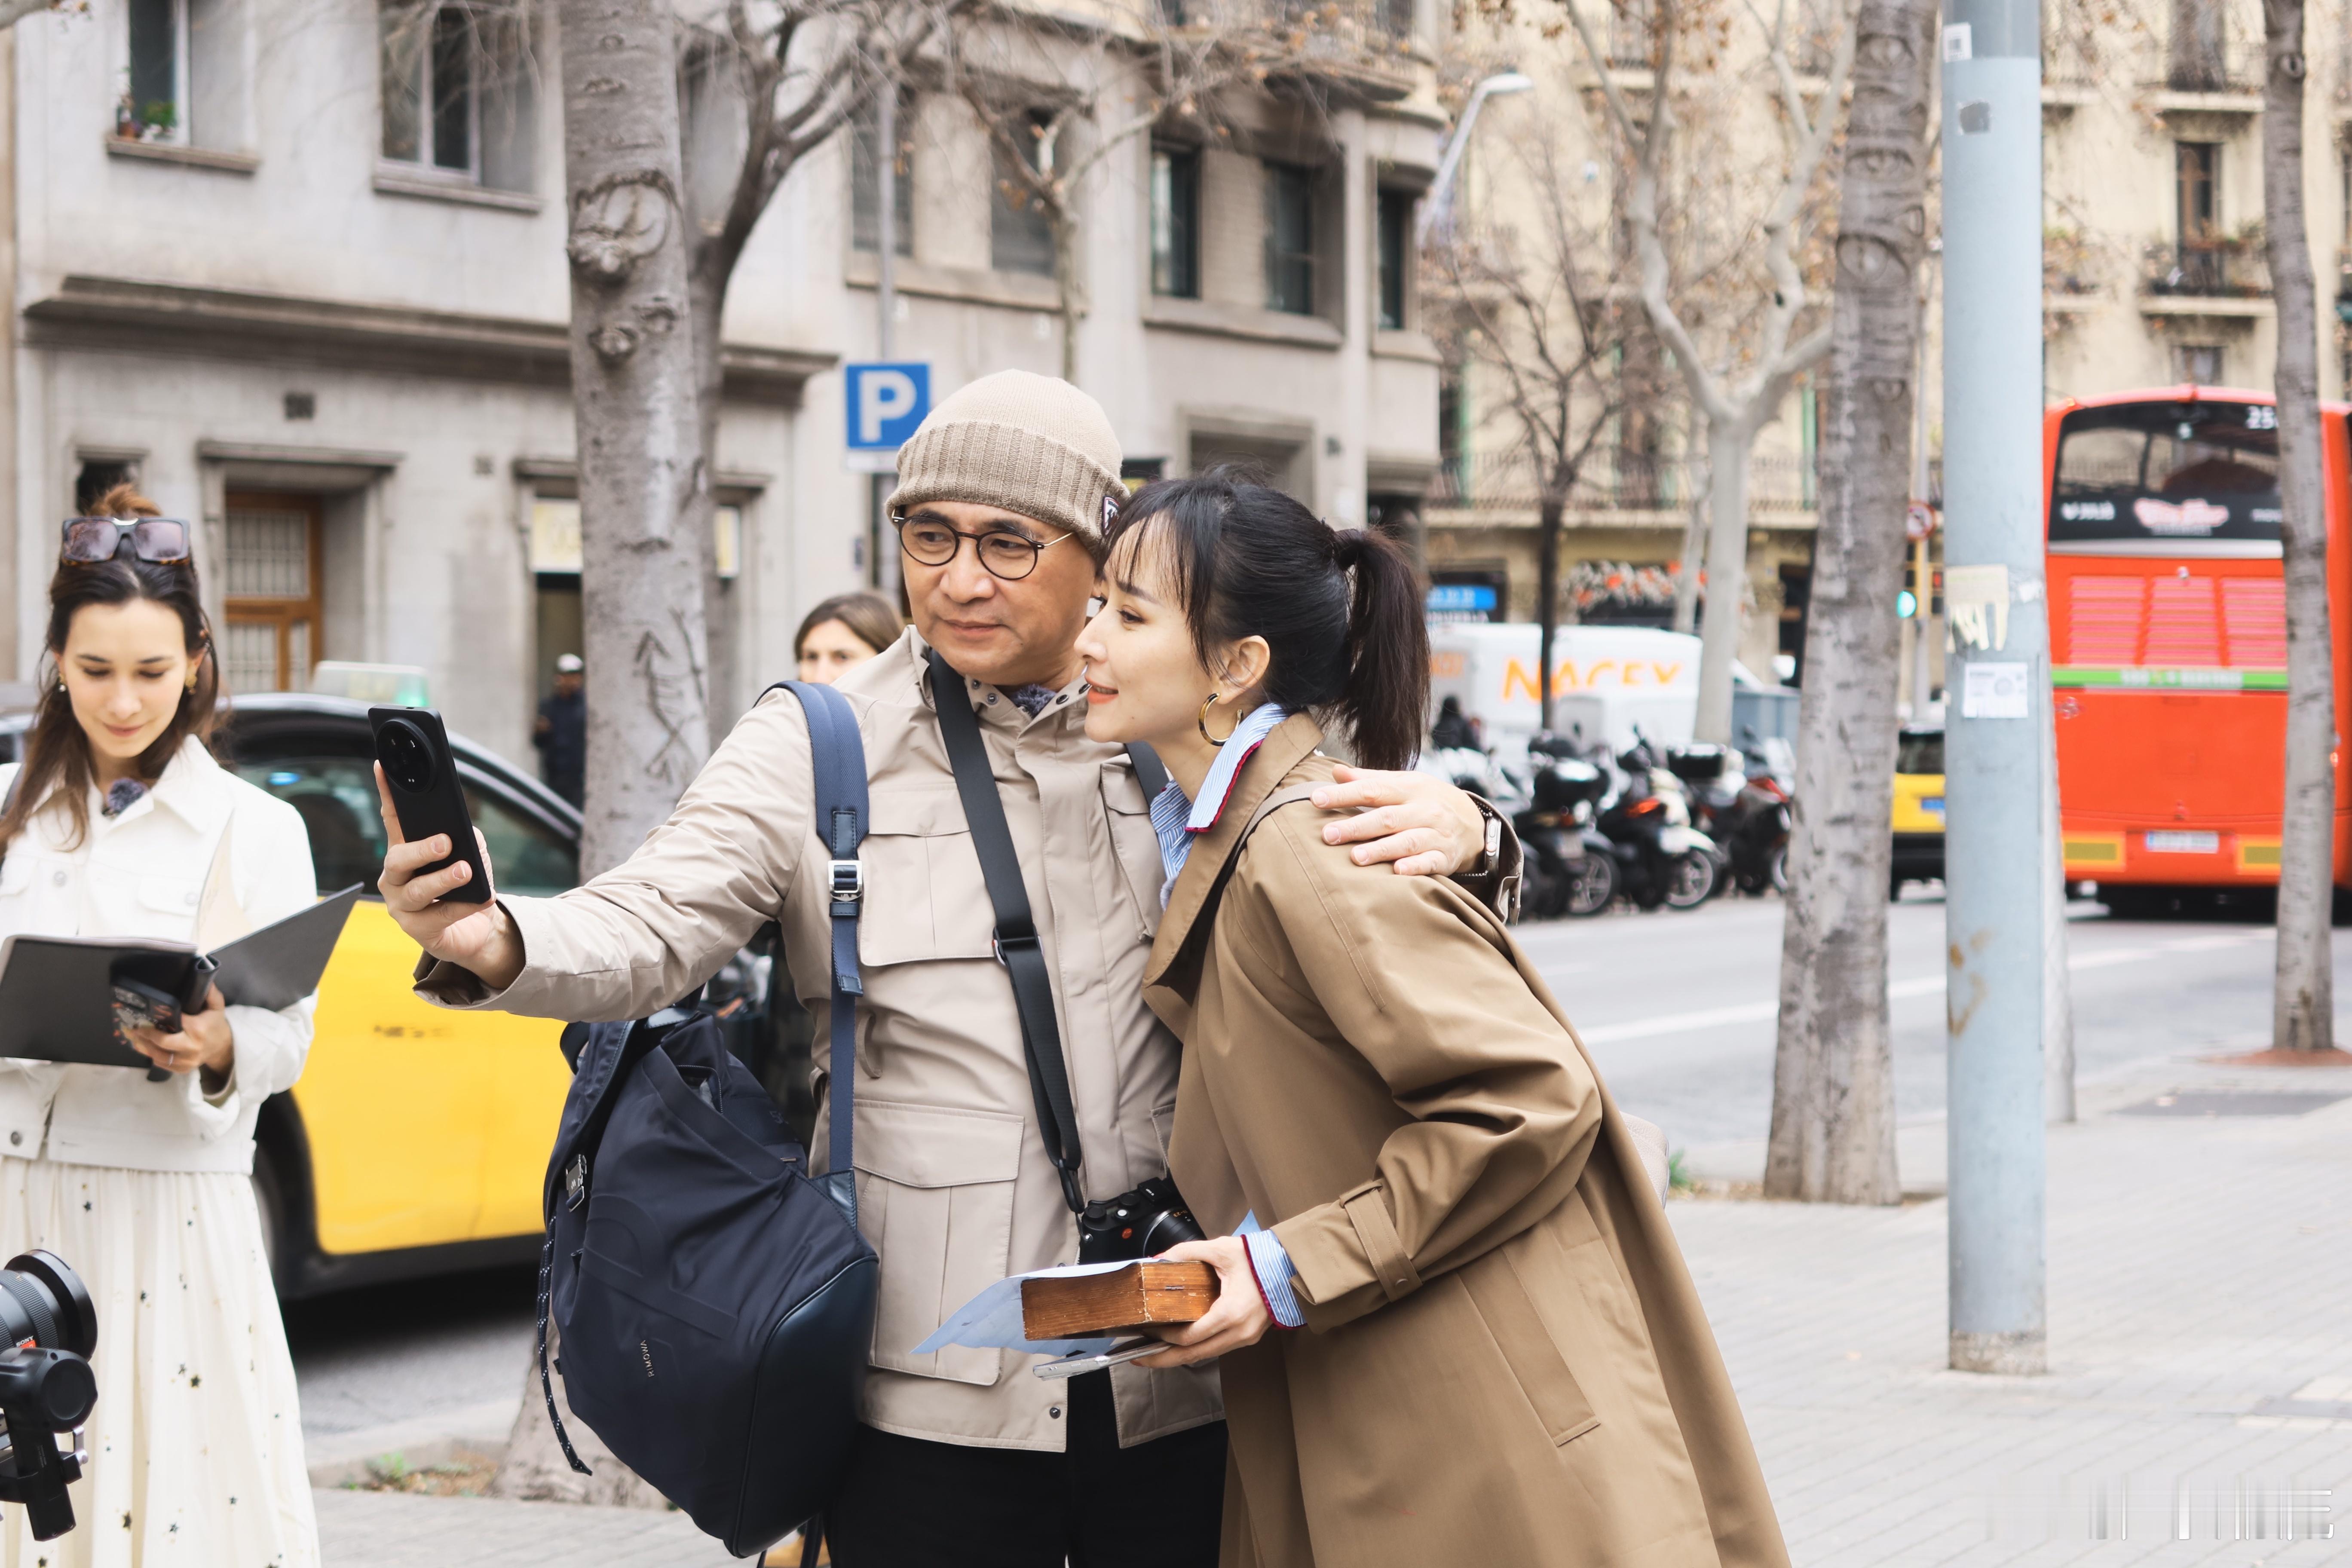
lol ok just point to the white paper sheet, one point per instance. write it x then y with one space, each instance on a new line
992 1319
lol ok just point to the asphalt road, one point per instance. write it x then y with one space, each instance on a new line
1678 1009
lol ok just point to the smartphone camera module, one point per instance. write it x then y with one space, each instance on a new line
407 757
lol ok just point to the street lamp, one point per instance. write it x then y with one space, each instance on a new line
1498 85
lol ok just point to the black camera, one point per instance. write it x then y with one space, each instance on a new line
1143 1222
45 1386
406 756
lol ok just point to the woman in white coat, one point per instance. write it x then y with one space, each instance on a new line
119 823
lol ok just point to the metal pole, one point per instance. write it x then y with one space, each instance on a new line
1997 685
1923 584
886 193
879 544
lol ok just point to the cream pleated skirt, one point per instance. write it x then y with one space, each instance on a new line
196 1444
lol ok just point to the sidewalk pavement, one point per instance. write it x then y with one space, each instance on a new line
2198 1409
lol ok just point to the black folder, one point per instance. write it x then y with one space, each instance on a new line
56 993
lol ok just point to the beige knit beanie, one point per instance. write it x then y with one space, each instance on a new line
1031 444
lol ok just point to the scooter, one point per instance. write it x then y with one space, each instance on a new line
1747 814
1660 857
1570 869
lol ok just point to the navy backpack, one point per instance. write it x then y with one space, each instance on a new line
714 1298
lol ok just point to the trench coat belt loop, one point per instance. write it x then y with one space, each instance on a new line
1369 1209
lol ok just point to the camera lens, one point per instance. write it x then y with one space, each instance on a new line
406 758
43 1305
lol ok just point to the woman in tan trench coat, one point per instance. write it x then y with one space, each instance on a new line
1500 1358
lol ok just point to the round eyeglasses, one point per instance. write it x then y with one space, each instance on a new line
1008 556
92 541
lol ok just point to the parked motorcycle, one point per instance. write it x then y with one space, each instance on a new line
1660 857
1745 813
1569 867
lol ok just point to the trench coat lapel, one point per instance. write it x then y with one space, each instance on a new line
1293 741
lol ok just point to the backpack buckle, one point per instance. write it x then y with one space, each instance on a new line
575 1182
846 880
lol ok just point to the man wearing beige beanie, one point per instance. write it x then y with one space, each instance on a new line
963 1456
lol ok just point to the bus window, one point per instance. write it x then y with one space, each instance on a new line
2167 479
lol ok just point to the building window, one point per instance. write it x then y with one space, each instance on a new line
1020 235
457 94
866 180
1396 251
1290 239
154 106
1396 17
273 591
1176 222
2197 211
2198 363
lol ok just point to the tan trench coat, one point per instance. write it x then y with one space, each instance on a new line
1504 1360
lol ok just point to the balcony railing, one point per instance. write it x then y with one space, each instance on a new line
2228 269
1617 482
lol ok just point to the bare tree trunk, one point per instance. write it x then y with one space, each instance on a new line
1694 554
1833 1081
1729 444
2304 1005
1547 522
636 407
1065 287
644 503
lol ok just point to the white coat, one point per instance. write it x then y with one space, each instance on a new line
142 874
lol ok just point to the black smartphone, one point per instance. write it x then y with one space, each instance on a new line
138 1005
426 792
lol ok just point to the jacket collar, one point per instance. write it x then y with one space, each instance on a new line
1065 711
1292 742
193 787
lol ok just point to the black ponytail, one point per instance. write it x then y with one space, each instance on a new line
1339 610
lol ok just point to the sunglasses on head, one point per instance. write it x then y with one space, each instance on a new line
94 540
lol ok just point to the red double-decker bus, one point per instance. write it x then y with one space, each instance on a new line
2168 634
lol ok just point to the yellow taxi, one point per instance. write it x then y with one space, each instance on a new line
1918 818
417 1141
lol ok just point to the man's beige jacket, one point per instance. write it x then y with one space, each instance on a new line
954 1189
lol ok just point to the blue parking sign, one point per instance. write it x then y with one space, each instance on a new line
886 402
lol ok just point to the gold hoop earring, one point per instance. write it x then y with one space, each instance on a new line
1212 740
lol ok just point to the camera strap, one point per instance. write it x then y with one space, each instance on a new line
1017 947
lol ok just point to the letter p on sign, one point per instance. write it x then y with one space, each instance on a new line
885 402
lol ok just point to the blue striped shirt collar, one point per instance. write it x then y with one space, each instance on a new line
1176 817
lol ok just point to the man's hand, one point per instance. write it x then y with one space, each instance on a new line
479 937
1237 1320
1423 825
205 1040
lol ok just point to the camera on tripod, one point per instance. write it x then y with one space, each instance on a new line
49 1327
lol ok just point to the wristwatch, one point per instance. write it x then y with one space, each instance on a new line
1492 861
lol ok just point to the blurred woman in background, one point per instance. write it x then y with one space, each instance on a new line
842 633
119 823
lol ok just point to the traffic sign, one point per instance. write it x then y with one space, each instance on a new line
1919 522
885 401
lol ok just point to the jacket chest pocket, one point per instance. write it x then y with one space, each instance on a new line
935 1187
924 894
133 903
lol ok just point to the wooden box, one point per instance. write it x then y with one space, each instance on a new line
1124 1300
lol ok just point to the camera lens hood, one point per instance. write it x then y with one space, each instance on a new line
73 1317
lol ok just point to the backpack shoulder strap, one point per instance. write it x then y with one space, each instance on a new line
837 758
1017 947
1203 922
1149 772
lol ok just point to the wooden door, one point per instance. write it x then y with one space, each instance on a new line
272 589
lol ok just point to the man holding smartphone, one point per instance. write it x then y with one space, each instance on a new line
1017 473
